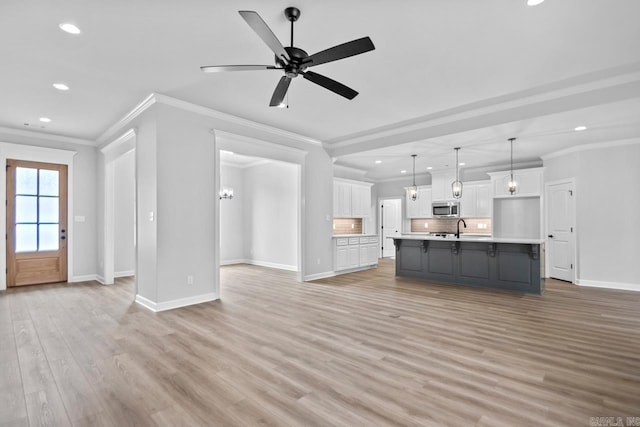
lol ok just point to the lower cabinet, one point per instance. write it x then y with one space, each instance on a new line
355 252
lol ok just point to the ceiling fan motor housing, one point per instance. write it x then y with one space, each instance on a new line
295 65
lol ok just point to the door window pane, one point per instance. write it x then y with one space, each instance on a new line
48 182
48 237
27 181
48 209
26 237
26 209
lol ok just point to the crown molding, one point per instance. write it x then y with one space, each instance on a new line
45 136
131 133
158 98
593 146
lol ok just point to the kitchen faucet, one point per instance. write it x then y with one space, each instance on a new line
458 227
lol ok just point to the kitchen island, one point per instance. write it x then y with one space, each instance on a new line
488 262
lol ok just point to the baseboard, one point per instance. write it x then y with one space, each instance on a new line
100 279
260 264
124 273
353 270
83 278
318 276
609 285
235 261
176 303
272 265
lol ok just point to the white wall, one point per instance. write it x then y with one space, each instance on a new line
124 215
270 202
608 243
186 207
231 216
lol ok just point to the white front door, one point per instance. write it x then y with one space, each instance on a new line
560 237
391 224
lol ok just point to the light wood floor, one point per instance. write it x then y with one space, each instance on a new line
364 349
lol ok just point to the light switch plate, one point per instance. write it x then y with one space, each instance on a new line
78 218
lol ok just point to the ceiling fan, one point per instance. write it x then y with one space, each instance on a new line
295 61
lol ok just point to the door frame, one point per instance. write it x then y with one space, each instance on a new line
111 152
574 235
379 219
261 148
45 155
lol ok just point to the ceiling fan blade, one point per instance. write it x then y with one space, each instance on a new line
264 32
221 68
330 84
345 50
280 92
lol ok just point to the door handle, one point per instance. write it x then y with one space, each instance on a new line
550 236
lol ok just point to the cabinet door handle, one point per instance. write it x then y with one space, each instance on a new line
550 236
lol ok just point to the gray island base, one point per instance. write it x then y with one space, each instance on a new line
507 264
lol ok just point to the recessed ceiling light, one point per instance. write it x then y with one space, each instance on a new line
534 2
45 119
378 161
461 163
61 86
69 28
403 171
579 128
429 168
226 152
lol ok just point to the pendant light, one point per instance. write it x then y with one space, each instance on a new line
413 191
512 183
456 186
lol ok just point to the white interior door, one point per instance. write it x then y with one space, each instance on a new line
560 236
390 224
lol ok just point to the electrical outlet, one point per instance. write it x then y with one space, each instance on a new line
189 280
318 261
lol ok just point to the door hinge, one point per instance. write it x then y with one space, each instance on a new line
572 266
572 229
571 192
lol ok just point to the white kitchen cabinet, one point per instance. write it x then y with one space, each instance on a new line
351 199
441 185
476 199
529 183
355 252
421 207
360 200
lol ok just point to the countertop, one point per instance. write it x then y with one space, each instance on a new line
337 236
468 238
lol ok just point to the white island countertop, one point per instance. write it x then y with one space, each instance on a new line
468 238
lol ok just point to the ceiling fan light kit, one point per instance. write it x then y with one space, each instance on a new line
295 61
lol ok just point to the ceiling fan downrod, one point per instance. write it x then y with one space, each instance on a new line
292 14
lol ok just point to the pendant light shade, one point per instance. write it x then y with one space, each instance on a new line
456 186
413 191
512 182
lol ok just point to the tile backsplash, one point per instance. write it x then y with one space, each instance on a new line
448 225
347 226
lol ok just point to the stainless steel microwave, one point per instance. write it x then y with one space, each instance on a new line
445 209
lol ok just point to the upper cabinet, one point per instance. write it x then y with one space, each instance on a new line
441 185
476 199
351 199
421 207
529 183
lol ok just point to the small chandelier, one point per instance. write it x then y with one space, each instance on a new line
512 183
456 186
226 193
413 191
